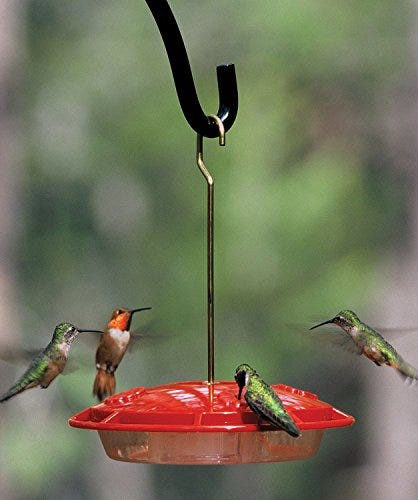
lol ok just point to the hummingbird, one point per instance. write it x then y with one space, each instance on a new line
49 363
263 400
112 347
364 340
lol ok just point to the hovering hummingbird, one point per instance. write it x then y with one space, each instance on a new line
112 347
263 400
364 340
49 363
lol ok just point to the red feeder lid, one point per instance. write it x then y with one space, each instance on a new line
185 407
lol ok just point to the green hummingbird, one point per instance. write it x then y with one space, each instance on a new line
49 363
362 339
263 400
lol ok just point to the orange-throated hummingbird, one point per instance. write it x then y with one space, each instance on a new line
112 347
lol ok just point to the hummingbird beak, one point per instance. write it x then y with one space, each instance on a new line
132 311
324 323
90 331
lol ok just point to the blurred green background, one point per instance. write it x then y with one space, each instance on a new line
106 208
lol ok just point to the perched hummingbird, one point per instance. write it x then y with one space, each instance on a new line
364 340
112 347
263 400
49 363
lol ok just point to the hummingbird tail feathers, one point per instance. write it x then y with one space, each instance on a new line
407 372
16 389
9 394
104 384
291 428
287 424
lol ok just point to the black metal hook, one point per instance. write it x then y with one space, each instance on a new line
183 79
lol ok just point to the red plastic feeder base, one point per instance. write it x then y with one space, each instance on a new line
176 424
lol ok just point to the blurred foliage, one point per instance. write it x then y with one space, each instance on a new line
113 211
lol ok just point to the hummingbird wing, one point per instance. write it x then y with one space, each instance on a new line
328 335
72 366
336 337
403 330
146 337
137 339
264 402
90 340
275 416
19 355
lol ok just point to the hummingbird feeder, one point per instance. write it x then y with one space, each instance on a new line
203 422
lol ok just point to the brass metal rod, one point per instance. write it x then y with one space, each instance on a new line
210 255
210 251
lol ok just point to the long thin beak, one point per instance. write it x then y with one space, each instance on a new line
324 323
90 331
239 393
141 309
